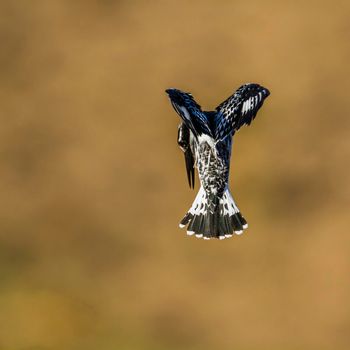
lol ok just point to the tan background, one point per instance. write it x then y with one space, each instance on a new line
93 184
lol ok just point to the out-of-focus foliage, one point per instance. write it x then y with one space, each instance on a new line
93 184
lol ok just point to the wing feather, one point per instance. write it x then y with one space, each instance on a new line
190 112
239 109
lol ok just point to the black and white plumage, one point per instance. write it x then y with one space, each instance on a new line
206 140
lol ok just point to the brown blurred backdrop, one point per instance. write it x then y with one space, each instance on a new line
93 184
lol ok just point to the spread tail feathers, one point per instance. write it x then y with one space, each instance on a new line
220 223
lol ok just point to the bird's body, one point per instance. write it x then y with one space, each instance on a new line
206 140
213 165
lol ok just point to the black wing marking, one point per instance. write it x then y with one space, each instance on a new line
183 140
239 109
190 112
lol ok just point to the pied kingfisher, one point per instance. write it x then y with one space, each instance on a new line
206 140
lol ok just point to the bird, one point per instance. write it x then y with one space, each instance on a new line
205 137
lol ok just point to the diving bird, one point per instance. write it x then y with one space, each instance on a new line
206 140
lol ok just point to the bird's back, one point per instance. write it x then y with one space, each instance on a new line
213 164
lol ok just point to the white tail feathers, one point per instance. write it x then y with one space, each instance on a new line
221 223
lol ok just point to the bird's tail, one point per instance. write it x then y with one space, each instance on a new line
222 222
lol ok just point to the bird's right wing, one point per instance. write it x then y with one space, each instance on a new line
239 109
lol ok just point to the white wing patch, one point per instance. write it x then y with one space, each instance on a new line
249 104
185 112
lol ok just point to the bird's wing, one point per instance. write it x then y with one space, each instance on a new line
239 109
184 141
190 112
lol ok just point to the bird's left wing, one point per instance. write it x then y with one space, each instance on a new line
190 112
239 109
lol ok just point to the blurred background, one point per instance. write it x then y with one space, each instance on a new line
93 184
